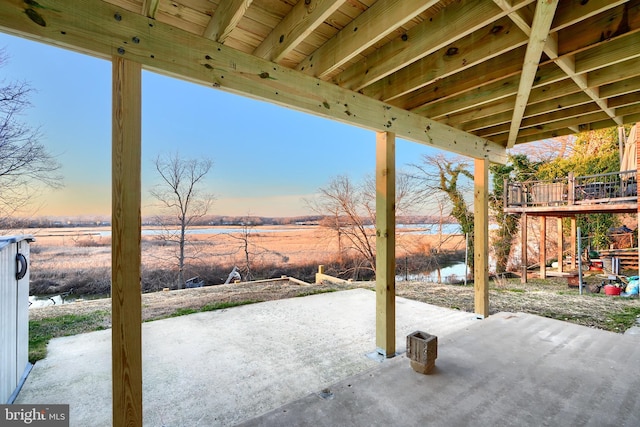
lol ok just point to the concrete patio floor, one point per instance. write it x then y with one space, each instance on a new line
303 361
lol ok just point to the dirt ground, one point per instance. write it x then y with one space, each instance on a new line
550 298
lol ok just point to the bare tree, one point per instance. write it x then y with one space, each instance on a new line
349 210
247 246
437 175
180 193
25 163
344 202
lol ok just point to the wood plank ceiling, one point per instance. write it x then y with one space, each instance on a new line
495 72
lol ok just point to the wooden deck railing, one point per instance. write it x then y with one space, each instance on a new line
602 188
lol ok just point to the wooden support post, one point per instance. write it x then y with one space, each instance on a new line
560 246
481 236
125 244
523 242
385 243
637 125
543 247
574 247
319 274
571 189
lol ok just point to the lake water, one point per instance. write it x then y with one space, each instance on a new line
408 228
451 274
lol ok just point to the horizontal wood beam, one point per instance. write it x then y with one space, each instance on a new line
225 19
570 12
545 10
572 210
446 27
463 83
174 52
381 19
495 39
303 19
150 8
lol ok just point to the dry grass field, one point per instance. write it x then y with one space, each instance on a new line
79 258
61 261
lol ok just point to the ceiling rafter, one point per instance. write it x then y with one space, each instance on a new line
460 20
571 12
545 10
557 125
533 115
490 71
150 8
495 39
550 98
158 48
619 70
567 14
225 19
541 119
303 19
378 21
499 89
567 65
427 61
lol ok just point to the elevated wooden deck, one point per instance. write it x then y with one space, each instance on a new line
615 192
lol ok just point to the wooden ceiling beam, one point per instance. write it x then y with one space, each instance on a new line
466 80
446 27
540 120
624 100
150 8
225 19
499 89
567 65
614 80
378 21
491 41
620 87
303 19
487 72
571 12
553 126
568 101
545 10
613 73
602 124
618 93
606 54
612 20
629 110
160 47
550 97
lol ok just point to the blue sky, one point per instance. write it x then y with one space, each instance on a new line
267 159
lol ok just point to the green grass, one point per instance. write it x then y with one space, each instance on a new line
315 292
209 307
42 331
626 318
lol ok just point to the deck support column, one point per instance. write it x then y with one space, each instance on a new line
560 246
523 247
574 246
125 248
637 125
385 244
543 247
481 236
